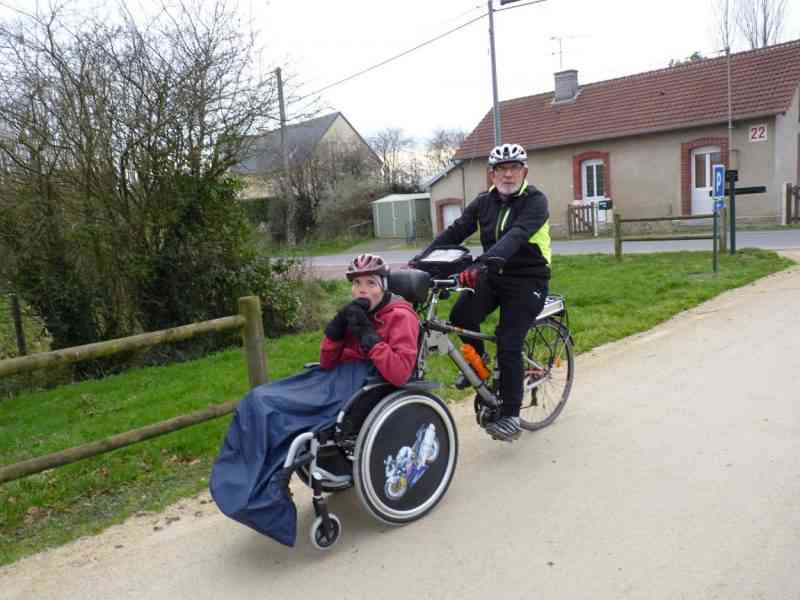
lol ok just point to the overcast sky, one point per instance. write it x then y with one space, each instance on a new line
448 83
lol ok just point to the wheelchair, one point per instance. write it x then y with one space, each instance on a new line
398 446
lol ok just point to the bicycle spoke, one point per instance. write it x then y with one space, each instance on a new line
547 363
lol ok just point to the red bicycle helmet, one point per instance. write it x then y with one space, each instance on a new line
367 264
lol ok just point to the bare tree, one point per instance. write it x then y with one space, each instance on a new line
317 178
393 147
441 146
724 26
116 209
760 21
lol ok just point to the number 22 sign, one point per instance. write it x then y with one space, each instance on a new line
758 133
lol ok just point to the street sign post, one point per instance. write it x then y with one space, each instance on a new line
719 182
730 178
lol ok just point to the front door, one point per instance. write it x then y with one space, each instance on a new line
703 161
594 188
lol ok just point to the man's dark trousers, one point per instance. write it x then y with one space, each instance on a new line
520 299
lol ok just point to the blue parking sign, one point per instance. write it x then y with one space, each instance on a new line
719 181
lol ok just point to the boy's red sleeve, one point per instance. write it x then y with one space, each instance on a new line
396 355
330 352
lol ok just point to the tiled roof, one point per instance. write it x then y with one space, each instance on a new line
763 83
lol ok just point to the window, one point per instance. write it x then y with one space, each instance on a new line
593 179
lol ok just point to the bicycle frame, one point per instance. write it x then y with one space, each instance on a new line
436 334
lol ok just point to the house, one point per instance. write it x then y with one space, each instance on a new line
330 138
648 141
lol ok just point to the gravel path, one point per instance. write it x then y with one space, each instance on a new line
674 472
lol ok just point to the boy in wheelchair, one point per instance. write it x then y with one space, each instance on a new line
376 332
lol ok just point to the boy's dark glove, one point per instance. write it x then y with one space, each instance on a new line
337 326
360 325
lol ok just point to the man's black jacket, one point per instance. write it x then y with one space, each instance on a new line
517 230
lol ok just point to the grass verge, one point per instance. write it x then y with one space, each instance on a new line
607 300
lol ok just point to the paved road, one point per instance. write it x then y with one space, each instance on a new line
786 239
674 472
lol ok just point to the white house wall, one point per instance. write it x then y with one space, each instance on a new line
645 173
787 140
340 133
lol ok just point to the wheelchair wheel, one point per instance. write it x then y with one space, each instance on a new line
405 456
318 537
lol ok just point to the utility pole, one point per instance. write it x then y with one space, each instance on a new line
495 104
730 97
495 107
290 206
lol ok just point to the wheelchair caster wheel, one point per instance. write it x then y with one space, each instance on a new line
318 537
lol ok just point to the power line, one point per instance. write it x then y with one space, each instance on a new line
388 60
417 47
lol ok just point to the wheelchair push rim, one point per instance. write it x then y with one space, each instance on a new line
405 457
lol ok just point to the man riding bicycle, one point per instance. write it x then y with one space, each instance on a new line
512 273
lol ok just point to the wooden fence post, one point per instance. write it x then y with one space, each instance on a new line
16 316
569 222
617 235
253 337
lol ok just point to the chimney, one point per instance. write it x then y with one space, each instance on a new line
566 86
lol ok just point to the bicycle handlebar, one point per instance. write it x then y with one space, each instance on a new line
451 283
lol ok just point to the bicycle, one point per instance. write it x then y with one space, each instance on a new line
548 351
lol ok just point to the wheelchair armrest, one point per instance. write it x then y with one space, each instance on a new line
421 385
412 384
310 365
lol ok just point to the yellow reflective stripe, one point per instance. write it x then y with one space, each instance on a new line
542 239
523 188
505 218
501 223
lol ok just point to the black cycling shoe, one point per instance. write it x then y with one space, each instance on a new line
505 429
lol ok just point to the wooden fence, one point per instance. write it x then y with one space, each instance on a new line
714 236
580 219
248 320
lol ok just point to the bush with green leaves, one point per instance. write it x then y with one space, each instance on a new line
117 211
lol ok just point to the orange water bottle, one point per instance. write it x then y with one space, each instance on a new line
475 361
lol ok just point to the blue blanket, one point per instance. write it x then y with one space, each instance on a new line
246 480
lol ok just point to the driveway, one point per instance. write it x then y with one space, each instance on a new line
674 472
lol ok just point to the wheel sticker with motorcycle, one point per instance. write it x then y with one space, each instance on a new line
409 465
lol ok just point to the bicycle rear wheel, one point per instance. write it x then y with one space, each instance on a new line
548 362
